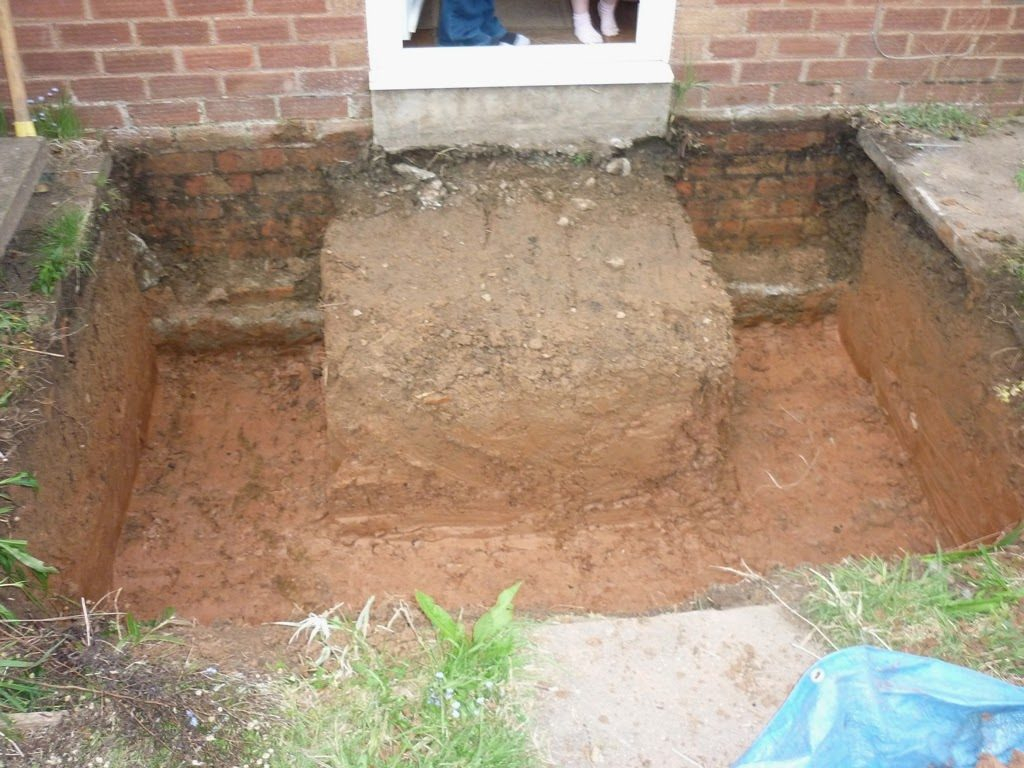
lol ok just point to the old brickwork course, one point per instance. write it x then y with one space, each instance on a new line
153 63
749 186
200 199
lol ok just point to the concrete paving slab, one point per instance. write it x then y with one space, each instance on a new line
21 164
685 689
964 189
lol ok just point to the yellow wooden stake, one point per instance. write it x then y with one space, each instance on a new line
23 125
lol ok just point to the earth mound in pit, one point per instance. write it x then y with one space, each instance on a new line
540 351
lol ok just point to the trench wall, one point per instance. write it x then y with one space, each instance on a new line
913 324
152 64
928 344
95 417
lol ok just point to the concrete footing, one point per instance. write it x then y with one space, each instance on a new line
525 117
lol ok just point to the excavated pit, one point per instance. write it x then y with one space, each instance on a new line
540 374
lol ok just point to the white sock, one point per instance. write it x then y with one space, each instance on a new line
514 38
584 29
606 13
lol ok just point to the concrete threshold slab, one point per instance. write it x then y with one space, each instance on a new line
684 689
538 117
21 164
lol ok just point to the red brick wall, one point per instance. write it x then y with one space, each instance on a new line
748 186
775 55
149 63
205 202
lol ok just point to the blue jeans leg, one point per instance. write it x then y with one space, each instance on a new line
468 22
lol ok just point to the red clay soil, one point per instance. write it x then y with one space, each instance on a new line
229 519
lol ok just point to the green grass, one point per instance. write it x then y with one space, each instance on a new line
60 250
447 703
964 607
12 319
19 689
55 117
680 88
939 119
1012 266
1018 179
5 127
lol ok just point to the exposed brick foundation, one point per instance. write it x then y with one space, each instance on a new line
748 186
238 202
233 232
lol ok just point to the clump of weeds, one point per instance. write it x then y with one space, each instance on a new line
447 701
964 606
946 120
362 694
61 249
55 117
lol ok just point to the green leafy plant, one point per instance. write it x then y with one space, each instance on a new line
5 127
15 561
55 117
939 119
487 629
581 159
19 690
131 630
60 250
1018 179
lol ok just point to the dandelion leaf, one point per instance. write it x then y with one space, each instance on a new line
497 618
447 628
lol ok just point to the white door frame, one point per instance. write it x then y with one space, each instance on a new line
393 67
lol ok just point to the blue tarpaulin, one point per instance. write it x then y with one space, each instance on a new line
866 707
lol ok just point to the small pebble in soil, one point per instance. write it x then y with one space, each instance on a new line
618 166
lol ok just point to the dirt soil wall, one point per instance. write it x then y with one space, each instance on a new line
94 416
933 356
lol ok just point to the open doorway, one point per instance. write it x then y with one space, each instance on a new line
545 22
403 56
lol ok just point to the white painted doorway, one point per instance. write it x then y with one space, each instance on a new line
395 67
